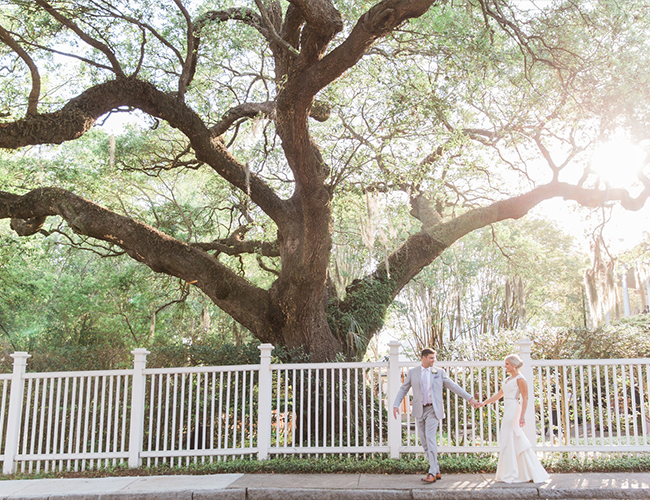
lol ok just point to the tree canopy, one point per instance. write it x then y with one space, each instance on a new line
282 115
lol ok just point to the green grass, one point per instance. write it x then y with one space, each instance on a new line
409 464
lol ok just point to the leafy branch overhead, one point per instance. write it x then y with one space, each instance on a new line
464 114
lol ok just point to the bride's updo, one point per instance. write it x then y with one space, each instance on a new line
514 360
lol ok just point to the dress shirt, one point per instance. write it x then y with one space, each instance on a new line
426 386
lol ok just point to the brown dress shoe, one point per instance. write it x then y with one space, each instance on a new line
430 478
438 476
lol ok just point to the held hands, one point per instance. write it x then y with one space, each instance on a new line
475 404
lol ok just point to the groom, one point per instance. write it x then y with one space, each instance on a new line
427 382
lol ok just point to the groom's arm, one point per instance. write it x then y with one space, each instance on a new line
401 393
456 389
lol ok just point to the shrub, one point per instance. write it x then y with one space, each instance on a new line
628 338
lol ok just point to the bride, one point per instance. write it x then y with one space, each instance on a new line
517 460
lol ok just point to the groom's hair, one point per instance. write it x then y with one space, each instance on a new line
426 351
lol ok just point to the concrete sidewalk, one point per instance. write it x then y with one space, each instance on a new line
328 487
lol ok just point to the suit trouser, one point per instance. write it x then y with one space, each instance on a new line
428 429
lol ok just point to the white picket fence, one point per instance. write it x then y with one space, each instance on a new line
179 416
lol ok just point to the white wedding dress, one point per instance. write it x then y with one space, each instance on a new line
517 460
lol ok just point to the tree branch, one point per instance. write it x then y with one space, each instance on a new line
273 34
66 54
234 247
79 114
235 244
32 103
246 110
518 206
185 292
266 268
323 23
319 112
424 247
189 65
376 23
162 253
248 16
153 31
320 15
293 20
110 55
86 244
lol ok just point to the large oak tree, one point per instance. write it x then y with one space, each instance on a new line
478 110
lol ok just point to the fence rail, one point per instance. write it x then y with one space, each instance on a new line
178 416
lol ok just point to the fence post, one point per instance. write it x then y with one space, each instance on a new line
394 383
264 402
527 372
15 412
137 407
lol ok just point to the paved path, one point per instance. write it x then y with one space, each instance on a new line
328 487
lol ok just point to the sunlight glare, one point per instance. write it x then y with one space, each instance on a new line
617 162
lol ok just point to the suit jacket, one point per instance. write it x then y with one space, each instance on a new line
438 380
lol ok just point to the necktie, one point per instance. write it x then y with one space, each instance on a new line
426 388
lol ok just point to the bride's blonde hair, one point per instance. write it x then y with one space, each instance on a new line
514 360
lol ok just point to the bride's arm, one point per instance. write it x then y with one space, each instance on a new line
494 398
523 389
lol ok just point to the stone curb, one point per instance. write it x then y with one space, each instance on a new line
321 494
437 494
221 494
158 495
482 494
234 494
526 493
594 493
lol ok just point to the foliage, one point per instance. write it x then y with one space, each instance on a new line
511 276
622 339
450 463
364 312
206 352
86 310
211 351
625 339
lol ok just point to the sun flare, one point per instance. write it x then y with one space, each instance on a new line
618 161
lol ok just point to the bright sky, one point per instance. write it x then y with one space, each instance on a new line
617 163
624 230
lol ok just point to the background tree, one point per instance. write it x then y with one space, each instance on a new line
471 112
522 276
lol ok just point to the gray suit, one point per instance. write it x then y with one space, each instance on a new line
427 418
